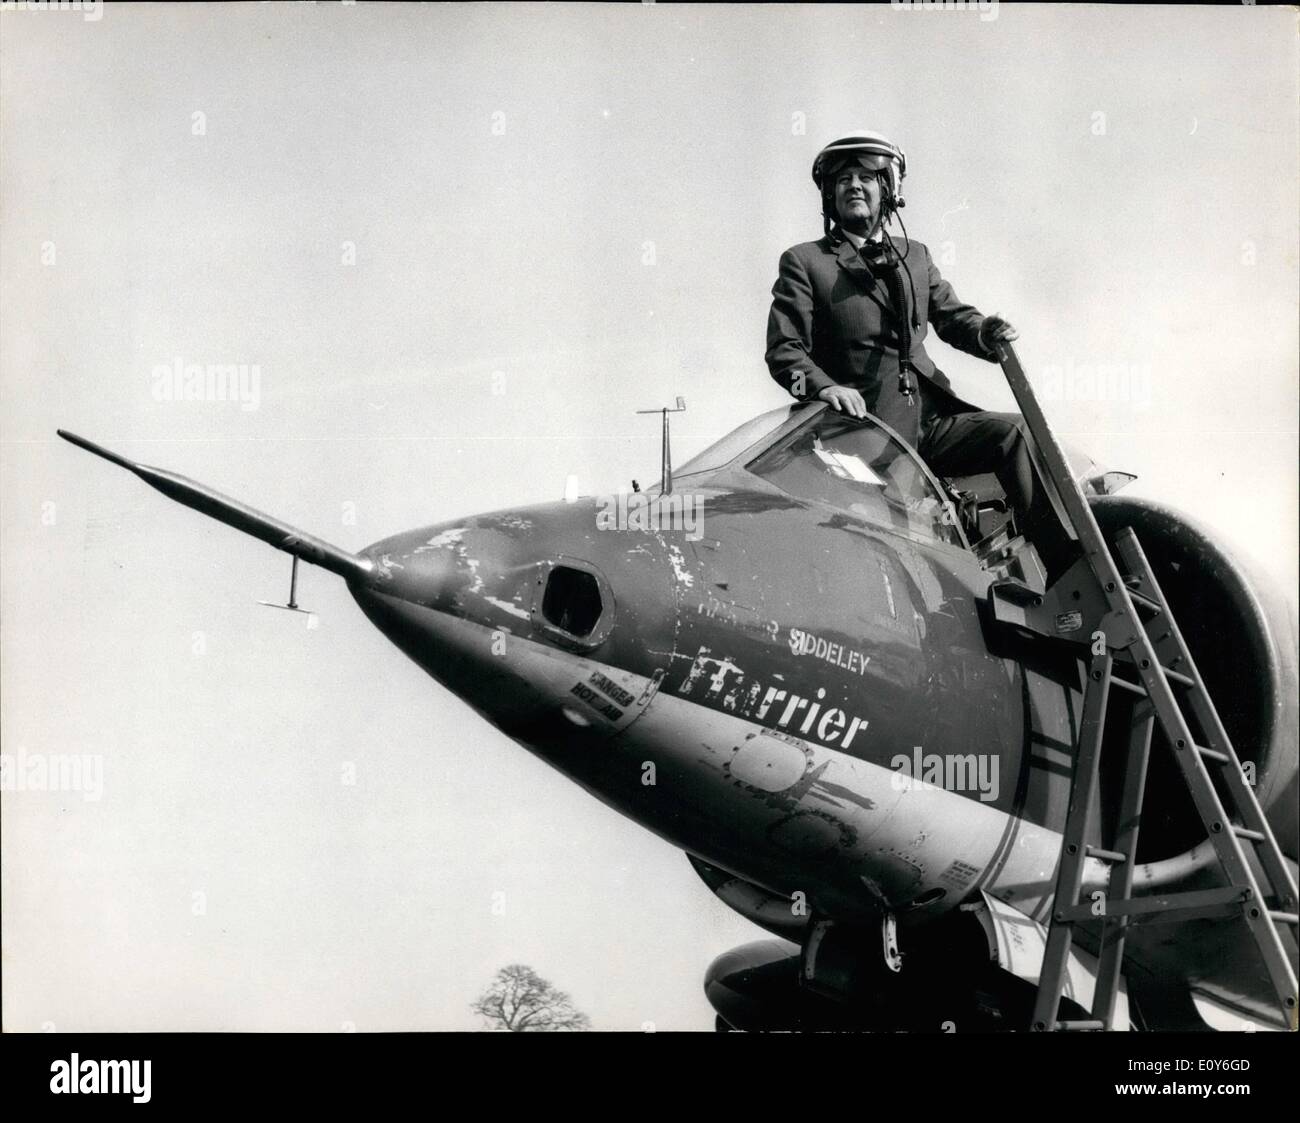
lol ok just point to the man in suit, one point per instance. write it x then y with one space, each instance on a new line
848 325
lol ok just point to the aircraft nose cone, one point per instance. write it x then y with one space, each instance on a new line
473 572
450 596
515 611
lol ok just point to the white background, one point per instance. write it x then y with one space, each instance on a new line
590 201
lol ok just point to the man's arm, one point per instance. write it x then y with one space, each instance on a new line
789 332
957 324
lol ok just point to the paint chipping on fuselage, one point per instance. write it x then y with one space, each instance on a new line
506 606
446 538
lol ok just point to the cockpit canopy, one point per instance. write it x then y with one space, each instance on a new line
859 466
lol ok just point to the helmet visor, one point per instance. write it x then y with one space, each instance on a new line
836 162
876 161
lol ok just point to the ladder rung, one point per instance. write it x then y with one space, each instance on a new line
1105 855
1225 900
1078 1025
1213 754
1248 834
1173 676
1284 918
1145 603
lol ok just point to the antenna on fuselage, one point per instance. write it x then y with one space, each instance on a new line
666 459
292 604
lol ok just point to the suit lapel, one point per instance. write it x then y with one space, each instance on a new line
850 260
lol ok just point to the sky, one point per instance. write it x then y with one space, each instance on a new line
455 249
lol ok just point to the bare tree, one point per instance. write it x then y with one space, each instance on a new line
521 1001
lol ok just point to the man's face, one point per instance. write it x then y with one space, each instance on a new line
857 197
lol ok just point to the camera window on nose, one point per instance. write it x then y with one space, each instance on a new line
572 601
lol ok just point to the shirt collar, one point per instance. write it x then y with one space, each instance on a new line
857 239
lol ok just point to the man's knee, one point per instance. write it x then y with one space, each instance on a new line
980 442
1009 421
1006 431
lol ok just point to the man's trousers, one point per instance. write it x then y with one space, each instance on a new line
969 444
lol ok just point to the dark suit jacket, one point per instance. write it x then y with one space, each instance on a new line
832 319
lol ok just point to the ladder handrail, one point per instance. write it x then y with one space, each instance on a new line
1053 458
1128 634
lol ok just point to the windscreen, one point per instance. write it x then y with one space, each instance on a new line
734 443
858 467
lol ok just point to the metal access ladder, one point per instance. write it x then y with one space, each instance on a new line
1142 638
